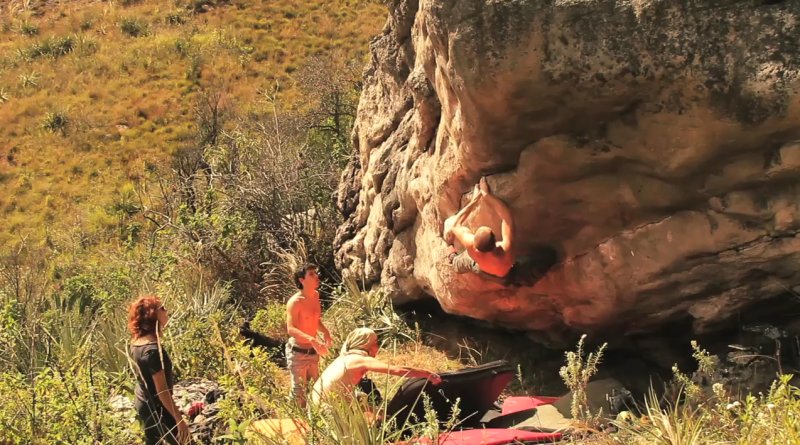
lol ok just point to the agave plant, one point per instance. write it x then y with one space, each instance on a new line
29 80
355 308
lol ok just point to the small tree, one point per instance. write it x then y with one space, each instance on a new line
332 84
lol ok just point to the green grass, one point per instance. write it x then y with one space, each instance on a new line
126 75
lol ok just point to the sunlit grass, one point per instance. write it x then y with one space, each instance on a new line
129 98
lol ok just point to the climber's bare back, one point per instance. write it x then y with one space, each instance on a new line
496 263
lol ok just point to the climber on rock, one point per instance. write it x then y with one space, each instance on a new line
483 254
482 251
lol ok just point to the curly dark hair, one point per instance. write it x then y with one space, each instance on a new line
143 315
301 273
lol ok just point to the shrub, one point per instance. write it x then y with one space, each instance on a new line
356 308
175 18
86 46
86 24
576 375
29 80
51 47
254 384
197 311
700 418
29 29
205 5
706 368
271 320
74 399
195 70
183 47
4 95
677 424
134 27
56 122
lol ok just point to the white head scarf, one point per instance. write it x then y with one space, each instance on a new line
359 339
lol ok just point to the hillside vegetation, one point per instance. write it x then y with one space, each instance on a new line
95 93
190 149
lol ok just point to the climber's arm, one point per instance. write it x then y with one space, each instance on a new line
458 230
464 212
464 236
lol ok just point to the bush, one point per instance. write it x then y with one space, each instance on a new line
86 46
86 24
29 29
134 27
576 375
51 47
183 47
355 308
195 70
175 18
695 417
56 122
271 320
29 79
204 5
76 400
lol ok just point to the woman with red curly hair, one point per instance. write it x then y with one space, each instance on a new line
161 420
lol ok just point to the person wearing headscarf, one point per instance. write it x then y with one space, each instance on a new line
357 357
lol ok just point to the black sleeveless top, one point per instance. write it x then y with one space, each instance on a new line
148 360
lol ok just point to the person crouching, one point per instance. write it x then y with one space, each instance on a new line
357 357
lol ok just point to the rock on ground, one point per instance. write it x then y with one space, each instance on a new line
204 426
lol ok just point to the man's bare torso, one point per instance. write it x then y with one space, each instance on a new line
306 313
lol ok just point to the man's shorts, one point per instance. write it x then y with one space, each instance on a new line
526 271
463 263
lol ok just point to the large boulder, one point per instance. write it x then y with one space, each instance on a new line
652 143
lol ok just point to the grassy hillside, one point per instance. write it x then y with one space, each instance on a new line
93 93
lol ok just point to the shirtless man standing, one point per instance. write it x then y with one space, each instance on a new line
483 253
304 323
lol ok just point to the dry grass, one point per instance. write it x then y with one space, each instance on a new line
417 355
129 99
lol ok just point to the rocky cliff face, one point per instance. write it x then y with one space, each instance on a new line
655 144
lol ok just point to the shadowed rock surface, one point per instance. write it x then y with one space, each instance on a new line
653 144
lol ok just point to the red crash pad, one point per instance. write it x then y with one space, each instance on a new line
516 404
490 436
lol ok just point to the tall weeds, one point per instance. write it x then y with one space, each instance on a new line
576 375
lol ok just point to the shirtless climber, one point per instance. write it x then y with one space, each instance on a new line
483 254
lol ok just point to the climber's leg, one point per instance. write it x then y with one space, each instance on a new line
462 262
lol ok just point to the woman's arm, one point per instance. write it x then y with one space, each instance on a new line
165 395
371 364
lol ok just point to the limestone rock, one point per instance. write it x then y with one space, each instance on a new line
653 144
